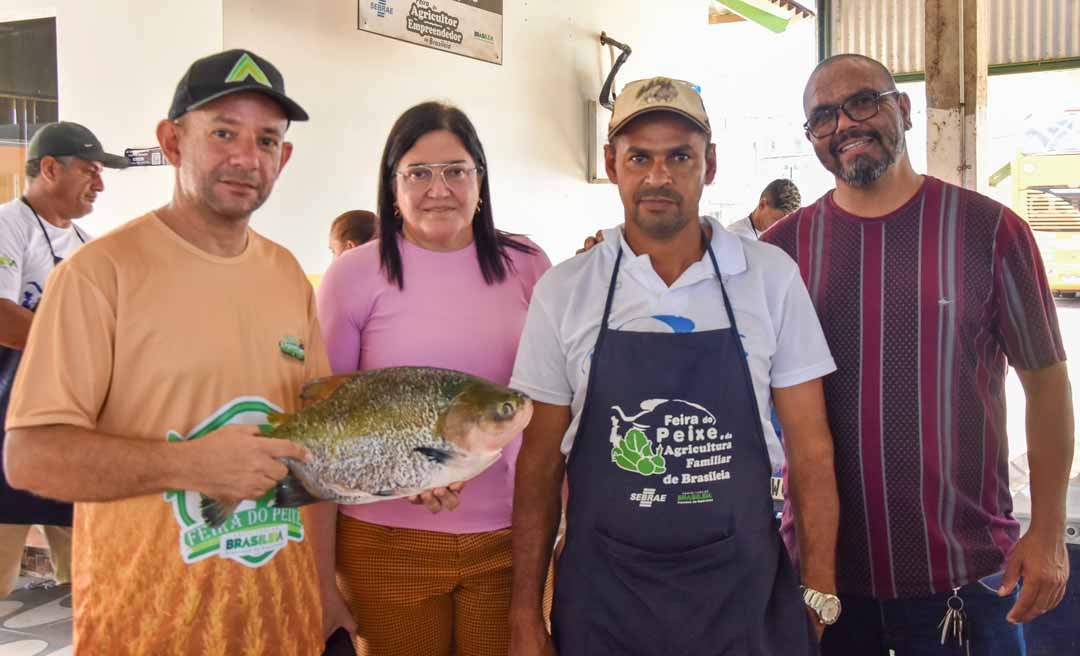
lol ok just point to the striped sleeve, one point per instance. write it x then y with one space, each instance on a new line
1027 318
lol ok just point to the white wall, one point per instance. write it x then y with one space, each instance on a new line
118 62
529 112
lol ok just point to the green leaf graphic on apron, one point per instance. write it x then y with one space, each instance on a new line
635 454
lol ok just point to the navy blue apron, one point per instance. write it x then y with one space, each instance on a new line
671 543
16 506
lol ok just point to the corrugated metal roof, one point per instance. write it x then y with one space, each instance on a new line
891 31
1033 30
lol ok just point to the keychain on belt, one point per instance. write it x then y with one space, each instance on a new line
954 626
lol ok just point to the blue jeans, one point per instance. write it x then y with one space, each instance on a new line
910 627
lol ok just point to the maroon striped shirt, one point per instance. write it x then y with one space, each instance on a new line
922 309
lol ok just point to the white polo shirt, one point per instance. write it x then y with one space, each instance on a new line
777 322
25 260
744 228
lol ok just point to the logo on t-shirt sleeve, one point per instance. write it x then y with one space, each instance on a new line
292 347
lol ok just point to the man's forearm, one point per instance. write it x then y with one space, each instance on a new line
811 480
537 503
1050 442
76 464
14 324
812 483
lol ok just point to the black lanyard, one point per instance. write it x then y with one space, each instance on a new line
55 258
752 226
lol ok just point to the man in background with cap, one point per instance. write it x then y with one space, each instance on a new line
191 327
63 171
651 360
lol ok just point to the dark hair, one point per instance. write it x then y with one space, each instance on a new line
33 166
357 226
492 245
782 194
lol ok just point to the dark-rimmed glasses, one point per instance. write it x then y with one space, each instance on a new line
859 107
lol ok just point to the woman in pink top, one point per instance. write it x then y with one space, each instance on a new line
440 287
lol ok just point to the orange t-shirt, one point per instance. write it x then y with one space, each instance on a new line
144 335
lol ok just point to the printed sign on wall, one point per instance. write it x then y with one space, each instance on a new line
472 28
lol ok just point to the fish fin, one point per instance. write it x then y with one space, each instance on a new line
322 388
215 513
290 492
273 420
437 456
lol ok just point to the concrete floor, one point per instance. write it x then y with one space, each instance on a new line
36 621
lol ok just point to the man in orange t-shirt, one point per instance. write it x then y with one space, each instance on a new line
158 347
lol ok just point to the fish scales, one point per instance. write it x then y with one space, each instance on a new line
390 433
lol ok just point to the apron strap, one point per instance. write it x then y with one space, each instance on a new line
723 290
744 363
610 298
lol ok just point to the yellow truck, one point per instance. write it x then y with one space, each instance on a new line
1046 193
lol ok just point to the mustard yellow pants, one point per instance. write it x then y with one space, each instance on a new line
421 592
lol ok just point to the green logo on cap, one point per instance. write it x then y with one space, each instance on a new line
246 67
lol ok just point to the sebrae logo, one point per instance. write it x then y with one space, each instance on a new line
257 530
647 497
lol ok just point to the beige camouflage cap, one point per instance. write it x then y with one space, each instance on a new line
658 94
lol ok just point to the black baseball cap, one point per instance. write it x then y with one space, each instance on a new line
228 72
67 139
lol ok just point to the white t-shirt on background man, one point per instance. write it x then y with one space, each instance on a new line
25 259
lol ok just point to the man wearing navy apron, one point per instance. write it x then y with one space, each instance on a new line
63 169
651 359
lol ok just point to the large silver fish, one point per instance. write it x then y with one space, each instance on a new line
390 433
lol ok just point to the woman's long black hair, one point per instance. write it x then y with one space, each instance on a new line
492 245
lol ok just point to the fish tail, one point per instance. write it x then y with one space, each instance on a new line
215 513
291 493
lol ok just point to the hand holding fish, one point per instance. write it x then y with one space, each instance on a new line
234 463
441 498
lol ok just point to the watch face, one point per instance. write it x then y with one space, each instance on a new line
830 610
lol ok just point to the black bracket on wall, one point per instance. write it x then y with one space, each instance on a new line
607 99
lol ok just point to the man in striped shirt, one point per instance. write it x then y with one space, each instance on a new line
926 292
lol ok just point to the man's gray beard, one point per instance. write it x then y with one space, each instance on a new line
864 170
